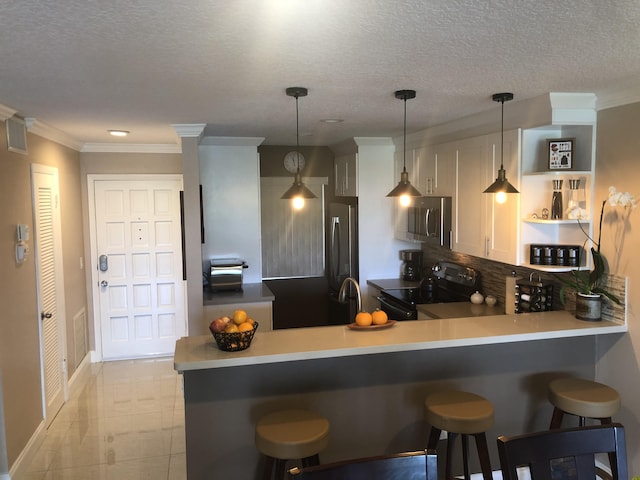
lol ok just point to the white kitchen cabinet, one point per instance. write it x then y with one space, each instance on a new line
345 175
537 188
434 166
483 227
400 212
502 225
469 204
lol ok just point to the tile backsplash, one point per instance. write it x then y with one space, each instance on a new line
493 279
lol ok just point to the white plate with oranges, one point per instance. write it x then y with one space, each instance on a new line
371 321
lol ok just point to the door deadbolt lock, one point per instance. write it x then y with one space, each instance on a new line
104 283
103 263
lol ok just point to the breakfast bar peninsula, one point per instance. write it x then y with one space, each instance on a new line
371 384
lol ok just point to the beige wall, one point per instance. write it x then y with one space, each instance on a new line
19 335
618 164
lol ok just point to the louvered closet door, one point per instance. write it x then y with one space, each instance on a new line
141 291
49 274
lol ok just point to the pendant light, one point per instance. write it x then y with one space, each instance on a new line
501 186
298 191
404 189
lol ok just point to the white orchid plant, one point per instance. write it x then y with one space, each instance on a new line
589 282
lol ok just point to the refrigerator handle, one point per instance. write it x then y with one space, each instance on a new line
335 246
427 217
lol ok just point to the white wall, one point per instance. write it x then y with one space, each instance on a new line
230 177
378 249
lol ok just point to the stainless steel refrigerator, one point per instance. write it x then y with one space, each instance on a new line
342 259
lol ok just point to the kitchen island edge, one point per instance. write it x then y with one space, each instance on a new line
201 352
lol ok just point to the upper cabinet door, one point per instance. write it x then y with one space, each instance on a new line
346 184
483 227
469 201
502 219
435 167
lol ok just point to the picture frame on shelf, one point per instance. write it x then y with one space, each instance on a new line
560 153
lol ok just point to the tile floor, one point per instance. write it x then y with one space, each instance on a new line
124 420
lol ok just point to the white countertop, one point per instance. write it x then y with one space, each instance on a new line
289 345
458 310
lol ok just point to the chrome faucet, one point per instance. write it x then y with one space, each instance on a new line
342 294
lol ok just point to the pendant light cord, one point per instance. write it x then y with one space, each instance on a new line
297 138
404 145
502 138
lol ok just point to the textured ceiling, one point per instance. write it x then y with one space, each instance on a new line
85 66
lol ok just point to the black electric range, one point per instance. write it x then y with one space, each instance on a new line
448 282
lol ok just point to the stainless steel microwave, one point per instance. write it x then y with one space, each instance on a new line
429 220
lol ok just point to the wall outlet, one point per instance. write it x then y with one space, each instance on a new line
443 436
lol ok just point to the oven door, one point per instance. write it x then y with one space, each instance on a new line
395 311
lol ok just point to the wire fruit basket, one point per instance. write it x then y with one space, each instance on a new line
235 341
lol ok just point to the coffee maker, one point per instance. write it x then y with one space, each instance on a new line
411 265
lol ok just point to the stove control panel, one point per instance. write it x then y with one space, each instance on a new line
455 273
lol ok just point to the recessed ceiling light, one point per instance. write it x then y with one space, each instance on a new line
332 120
119 133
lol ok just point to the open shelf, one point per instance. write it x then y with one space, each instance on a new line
562 221
565 173
553 268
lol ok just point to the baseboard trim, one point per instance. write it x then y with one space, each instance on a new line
29 451
21 465
74 380
95 356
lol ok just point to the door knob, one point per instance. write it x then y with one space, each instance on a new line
44 315
104 283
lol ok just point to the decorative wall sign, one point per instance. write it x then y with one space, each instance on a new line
560 152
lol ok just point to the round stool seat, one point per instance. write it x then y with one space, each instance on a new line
291 434
584 398
459 412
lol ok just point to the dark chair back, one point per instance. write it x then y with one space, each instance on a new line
421 465
564 454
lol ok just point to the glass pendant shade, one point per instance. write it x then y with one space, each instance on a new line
501 185
404 187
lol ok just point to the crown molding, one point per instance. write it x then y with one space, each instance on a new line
6 112
130 148
189 129
373 141
233 141
43 130
620 95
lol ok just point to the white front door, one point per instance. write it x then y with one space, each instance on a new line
48 251
140 286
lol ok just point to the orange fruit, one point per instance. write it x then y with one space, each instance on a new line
245 327
231 328
239 316
379 317
364 319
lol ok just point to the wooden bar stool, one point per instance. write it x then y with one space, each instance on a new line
582 398
460 413
290 435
